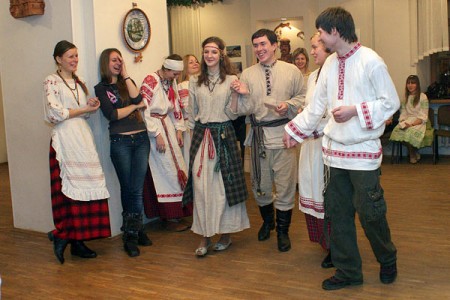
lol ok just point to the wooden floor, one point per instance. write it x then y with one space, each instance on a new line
418 211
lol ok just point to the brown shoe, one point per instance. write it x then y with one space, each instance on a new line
175 225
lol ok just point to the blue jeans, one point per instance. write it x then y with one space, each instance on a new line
129 155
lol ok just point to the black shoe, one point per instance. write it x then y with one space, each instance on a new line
284 243
264 231
59 245
131 248
78 248
334 283
143 239
327 263
388 273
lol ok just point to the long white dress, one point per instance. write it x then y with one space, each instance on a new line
160 119
212 214
311 181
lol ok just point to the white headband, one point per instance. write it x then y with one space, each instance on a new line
174 65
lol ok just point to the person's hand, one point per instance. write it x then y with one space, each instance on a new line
288 141
123 71
299 110
92 104
140 105
240 87
160 145
388 122
342 114
282 109
180 138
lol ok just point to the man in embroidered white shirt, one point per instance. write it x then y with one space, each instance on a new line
356 89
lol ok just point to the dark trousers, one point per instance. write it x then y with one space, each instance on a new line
348 192
129 154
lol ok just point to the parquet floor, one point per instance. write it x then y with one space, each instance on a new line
418 211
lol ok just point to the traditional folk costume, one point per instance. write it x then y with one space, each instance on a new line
310 169
272 163
78 188
352 153
216 181
414 135
183 90
163 117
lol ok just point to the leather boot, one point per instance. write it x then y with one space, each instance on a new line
267 215
78 248
283 222
143 239
59 245
131 224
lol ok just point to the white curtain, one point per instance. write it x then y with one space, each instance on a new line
185 30
429 28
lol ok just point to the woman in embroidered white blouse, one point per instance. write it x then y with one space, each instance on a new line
78 188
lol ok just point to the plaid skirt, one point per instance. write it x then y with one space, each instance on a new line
76 220
167 210
316 231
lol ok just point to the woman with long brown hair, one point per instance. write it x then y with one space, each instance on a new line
413 118
121 104
216 183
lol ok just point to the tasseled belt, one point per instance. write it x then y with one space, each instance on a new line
182 178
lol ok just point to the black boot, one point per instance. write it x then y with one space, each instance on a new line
327 263
131 224
267 215
283 222
143 239
59 245
78 248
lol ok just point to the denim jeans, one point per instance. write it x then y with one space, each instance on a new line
350 192
129 154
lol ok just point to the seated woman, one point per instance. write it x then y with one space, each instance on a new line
413 118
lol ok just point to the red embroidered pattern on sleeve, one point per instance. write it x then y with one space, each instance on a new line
147 88
366 114
297 131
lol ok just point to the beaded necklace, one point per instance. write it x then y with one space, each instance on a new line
71 89
212 84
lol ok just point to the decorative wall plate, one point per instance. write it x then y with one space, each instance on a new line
136 29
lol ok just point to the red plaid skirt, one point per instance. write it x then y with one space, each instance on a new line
76 220
316 230
166 211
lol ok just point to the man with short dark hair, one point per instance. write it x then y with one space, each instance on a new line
354 86
272 92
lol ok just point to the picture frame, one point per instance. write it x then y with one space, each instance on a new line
136 30
234 51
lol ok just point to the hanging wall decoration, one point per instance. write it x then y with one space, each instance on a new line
136 31
25 8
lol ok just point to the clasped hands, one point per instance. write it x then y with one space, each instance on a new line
242 88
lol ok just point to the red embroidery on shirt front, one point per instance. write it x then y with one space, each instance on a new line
311 204
352 155
366 115
341 78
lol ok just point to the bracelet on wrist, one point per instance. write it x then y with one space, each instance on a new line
125 79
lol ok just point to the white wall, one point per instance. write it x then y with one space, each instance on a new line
25 59
26 47
3 153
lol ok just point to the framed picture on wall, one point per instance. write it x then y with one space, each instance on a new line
234 51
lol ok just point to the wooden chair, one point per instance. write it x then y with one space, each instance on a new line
396 155
443 119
